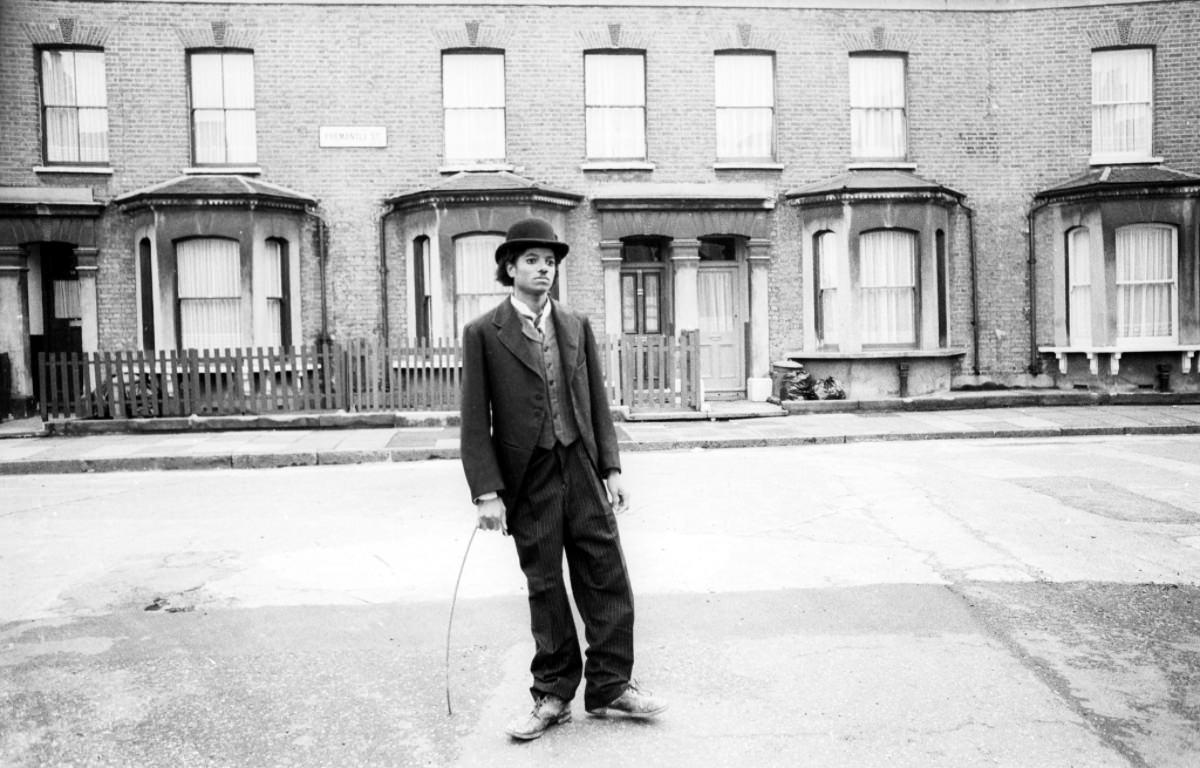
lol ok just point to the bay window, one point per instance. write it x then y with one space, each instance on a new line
223 112
615 105
745 104
74 106
473 106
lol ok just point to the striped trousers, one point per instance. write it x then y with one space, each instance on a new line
562 507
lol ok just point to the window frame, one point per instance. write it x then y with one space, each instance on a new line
179 299
193 109
725 55
1146 342
915 295
825 264
44 108
588 107
1099 154
503 108
862 155
637 270
1073 235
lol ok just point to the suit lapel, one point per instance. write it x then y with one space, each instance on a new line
512 336
569 329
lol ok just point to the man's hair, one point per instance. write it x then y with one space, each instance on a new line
502 275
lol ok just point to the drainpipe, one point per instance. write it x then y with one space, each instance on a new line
322 259
384 326
1035 361
974 290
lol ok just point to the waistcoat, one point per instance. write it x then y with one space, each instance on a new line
558 422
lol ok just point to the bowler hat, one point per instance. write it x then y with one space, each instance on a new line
531 233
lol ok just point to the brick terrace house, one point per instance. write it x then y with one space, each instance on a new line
993 191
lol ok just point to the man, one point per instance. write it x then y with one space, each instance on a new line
540 454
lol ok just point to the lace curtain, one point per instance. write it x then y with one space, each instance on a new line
272 266
223 107
473 102
745 101
615 105
1146 282
209 275
887 286
1079 297
827 286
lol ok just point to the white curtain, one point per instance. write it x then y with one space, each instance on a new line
76 101
209 275
1122 92
715 298
476 289
827 286
1079 294
745 102
1146 258
223 115
887 286
272 266
877 123
473 102
615 105
66 300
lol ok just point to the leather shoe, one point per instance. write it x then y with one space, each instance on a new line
548 710
633 702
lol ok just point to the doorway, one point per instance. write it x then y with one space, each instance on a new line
55 311
720 306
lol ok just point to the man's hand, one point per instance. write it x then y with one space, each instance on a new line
492 515
617 493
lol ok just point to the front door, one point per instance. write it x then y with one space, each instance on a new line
56 319
722 361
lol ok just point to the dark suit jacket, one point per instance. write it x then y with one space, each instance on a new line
504 398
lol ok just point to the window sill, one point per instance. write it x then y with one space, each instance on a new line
95 170
870 165
747 165
223 170
617 165
875 354
1187 353
459 167
1124 160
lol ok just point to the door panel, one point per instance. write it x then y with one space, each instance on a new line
721 353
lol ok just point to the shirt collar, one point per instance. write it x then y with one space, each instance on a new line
523 310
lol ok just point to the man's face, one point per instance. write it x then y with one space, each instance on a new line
533 271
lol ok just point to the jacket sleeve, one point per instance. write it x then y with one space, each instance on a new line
476 446
608 454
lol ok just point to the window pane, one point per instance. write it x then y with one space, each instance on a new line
62 131
1079 298
877 81
93 135
744 133
614 80
89 82
206 81
239 127
473 80
877 133
210 135
650 282
887 282
1122 91
745 80
209 289
66 300
629 304
877 123
238 80
475 134
58 78
616 132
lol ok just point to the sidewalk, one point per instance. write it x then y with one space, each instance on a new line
305 440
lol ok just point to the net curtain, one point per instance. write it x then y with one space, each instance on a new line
1079 297
615 95
1146 259
877 124
745 101
74 94
209 274
473 101
887 286
223 107
476 289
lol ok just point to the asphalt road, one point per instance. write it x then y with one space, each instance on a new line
1018 603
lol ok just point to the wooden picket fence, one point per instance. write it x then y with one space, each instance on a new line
645 372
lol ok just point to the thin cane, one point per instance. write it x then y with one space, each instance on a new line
450 623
